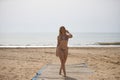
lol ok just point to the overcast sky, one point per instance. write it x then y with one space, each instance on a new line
49 15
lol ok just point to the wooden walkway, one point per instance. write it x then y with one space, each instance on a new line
74 72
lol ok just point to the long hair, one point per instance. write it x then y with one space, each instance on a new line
60 30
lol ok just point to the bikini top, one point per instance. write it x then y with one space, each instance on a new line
63 38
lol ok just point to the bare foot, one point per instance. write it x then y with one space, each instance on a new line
64 75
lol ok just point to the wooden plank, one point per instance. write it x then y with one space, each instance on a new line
73 71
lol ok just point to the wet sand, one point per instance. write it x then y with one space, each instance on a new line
23 63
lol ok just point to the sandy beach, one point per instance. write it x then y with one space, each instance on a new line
23 63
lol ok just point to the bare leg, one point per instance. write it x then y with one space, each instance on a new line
60 70
64 71
63 58
63 63
60 66
66 54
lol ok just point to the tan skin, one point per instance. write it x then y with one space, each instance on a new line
63 37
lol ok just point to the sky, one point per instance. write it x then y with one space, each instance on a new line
48 15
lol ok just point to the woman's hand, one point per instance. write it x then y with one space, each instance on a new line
69 34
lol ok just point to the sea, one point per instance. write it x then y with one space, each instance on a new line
49 39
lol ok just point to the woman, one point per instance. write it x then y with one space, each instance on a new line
62 48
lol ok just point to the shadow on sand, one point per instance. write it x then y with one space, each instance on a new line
69 78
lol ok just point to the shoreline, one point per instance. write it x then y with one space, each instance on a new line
86 46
